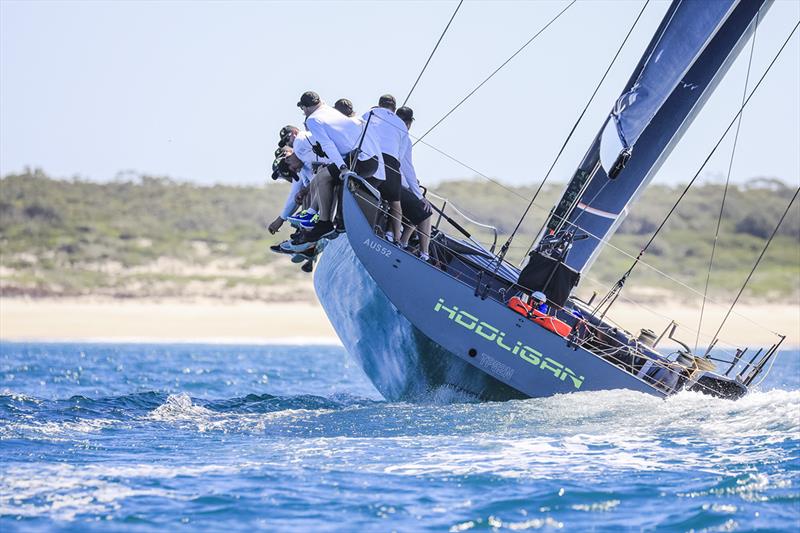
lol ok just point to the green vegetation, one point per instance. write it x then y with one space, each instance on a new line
152 236
682 249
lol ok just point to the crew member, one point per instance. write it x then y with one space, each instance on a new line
339 138
539 301
300 158
392 135
345 107
282 170
416 208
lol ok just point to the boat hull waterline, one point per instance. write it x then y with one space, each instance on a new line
402 362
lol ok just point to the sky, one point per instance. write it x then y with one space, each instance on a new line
197 91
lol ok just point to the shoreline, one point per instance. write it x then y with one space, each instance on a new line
180 321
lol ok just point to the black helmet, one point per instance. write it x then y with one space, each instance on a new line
344 106
285 133
286 130
406 114
280 169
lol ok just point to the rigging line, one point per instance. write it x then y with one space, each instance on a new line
457 161
766 375
575 126
477 172
432 52
369 200
481 84
504 249
574 224
565 219
727 183
653 311
455 208
603 241
621 282
763 251
590 202
610 351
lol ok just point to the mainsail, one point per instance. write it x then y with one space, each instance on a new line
690 52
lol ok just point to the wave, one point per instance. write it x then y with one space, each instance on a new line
172 446
760 416
65 491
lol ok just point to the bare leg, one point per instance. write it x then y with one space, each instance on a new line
408 232
396 222
313 195
424 236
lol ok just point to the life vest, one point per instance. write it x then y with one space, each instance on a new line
548 322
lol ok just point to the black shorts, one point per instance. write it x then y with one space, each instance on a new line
390 188
415 210
365 168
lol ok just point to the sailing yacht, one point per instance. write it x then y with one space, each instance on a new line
465 321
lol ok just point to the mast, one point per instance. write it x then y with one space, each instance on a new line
694 46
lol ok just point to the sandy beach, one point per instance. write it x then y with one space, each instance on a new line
215 321
175 320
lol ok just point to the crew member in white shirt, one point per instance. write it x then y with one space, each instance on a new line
392 136
345 107
338 137
301 160
415 207
282 170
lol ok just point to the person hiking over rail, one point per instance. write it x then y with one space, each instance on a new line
297 148
338 137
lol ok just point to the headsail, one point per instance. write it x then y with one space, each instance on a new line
695 44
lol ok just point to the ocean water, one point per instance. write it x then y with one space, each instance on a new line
206 437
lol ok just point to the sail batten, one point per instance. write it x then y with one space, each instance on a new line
692 49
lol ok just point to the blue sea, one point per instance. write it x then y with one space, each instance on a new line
148 437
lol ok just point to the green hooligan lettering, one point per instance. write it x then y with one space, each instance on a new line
546 365
525 352
490 336
469 316
500 341
440 305
530 355
576 381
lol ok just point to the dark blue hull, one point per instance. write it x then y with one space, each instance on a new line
402 363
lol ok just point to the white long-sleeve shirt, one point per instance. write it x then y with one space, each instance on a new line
303 147
407 173
291 205
339 135
389 128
